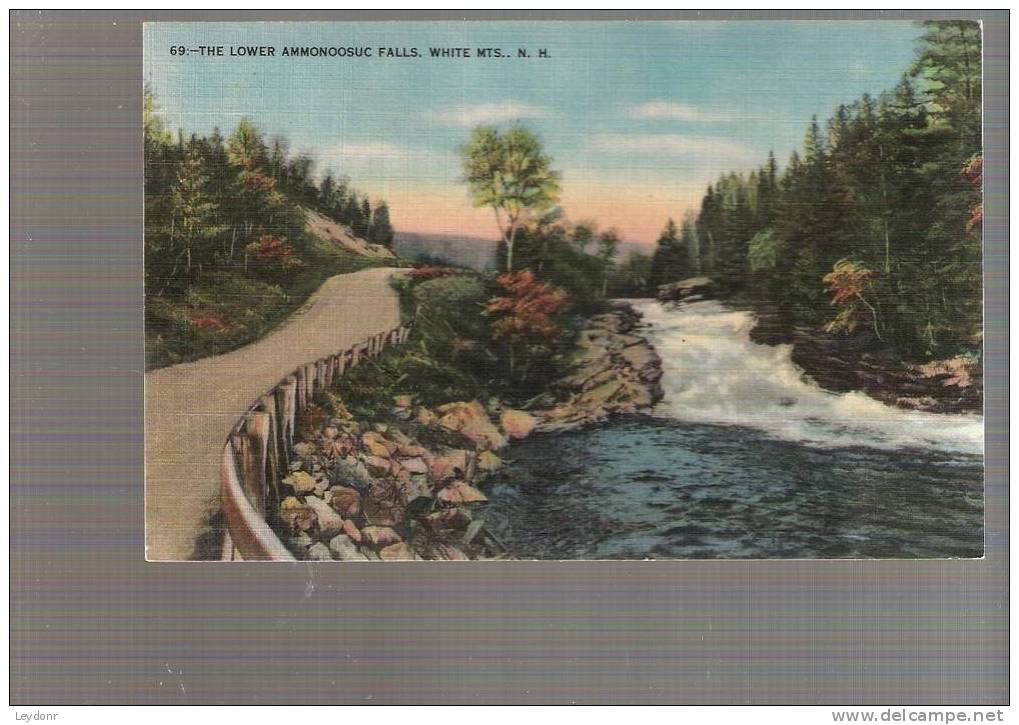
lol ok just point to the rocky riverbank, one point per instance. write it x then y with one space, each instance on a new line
858 362
411 486
854 362
615 371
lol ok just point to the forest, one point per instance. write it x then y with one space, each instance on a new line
874 225
227 251
872 228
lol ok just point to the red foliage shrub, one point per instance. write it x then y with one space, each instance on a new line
432 272
273 254
528 307
210 322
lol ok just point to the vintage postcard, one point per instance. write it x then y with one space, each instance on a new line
445 291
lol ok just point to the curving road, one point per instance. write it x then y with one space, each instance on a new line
191 408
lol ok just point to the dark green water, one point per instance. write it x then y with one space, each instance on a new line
810 474
648 487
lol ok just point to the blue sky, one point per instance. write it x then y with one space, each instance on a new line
639 117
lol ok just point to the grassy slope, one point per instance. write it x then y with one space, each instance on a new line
248 307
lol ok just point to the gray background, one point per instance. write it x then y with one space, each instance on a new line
92 622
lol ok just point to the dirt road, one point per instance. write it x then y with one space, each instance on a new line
191 408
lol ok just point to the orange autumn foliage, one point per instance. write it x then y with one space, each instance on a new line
527 309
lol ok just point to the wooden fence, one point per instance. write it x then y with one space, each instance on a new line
257 456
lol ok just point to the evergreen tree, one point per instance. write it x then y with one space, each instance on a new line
876 212
364 219
669 262
381 228
193 217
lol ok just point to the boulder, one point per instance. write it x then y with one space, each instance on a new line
351 530
300 482
296 514
460 492
452 518
414 465
517 423
381 512
425 417
379 536
330 523
300 542
343 548
377 464
489 462
449 464
318 552
377 445
397 552
645 362
471 421
350 471
345 500
412 450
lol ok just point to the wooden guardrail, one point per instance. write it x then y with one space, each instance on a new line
257 456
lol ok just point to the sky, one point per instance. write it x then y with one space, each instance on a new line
639 117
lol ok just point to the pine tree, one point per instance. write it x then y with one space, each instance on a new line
193 216
381 229
669 262
246 149
362 227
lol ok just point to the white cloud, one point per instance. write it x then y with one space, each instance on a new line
675 112
486 113
671 144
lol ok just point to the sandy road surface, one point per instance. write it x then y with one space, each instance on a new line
191 408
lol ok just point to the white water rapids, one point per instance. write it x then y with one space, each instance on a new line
714 373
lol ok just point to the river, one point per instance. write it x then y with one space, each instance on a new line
745 457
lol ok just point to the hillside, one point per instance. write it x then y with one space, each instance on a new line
330 230
239 232
233 304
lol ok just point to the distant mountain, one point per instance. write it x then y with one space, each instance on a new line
472 252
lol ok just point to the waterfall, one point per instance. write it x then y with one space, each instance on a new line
714 373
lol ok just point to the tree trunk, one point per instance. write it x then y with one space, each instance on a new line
888 249
509 247
873 313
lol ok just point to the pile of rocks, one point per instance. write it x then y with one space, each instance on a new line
361 491
614 372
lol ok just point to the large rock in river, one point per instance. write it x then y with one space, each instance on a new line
699 287
471 421
517 423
